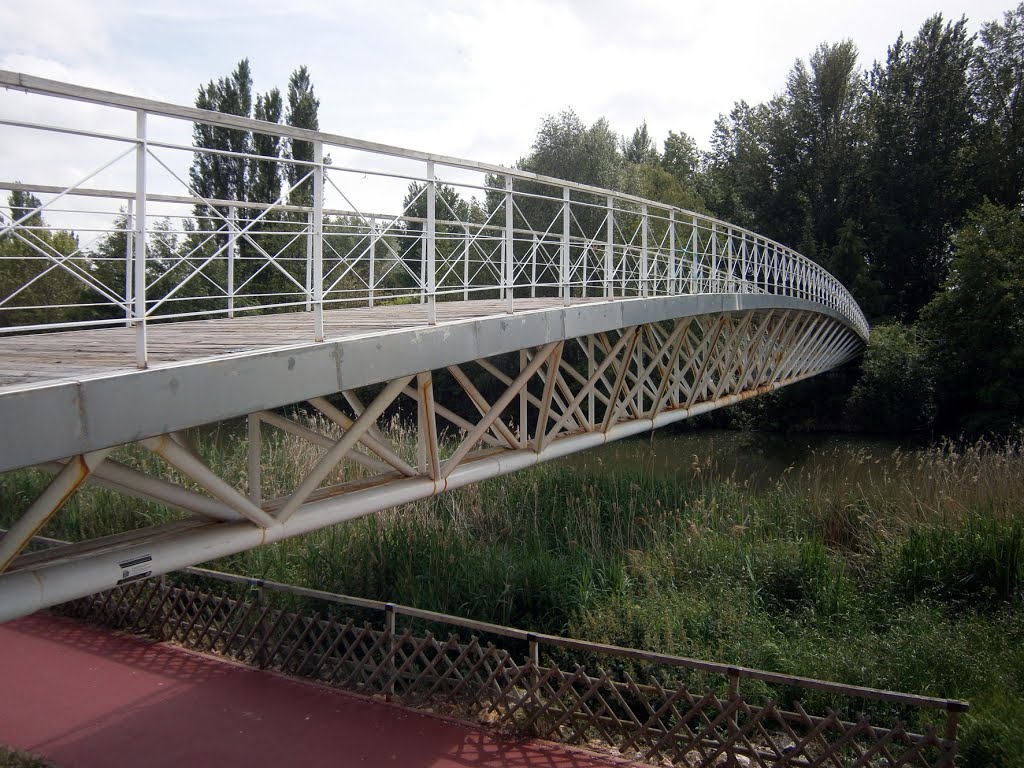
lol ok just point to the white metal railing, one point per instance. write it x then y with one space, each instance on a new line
130 241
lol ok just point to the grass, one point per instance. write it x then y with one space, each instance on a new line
902 571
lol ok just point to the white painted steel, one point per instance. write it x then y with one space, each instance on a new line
695 314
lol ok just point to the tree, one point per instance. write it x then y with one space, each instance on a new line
824 115
977 322
449 208
221 176
266 174
681 157
895 392
997 79
919 159
640 149
34 276
303 108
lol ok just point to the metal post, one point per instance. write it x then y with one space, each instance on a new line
564 276
318 240
232 245
141 356
423 267
465 265
694 245
509 255
609 249
431 254
714 257
671 287
373 255
129 246
533 267
643 250
730 260
309 261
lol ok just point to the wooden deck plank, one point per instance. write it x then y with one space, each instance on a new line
38 358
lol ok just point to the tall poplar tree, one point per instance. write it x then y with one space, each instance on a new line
303 108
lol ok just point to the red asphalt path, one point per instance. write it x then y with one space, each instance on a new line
82 697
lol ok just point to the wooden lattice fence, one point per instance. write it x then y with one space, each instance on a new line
659 716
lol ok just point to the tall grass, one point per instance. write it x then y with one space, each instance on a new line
899 570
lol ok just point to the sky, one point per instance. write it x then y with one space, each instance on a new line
468 79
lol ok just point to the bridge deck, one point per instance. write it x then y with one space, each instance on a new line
27 360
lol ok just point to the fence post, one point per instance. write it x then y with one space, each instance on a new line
139 267
318 240
389 629
734 695
534 664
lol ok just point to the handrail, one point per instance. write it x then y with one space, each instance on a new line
612 244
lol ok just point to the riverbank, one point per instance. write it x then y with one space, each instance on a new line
882 567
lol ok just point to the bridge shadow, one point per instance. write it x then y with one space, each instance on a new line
83 696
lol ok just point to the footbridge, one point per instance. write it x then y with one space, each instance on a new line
412 322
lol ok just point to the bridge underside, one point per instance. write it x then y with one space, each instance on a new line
488 393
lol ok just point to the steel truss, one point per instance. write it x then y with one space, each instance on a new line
555 399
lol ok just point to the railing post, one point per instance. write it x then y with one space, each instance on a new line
423 266
431 254
465 264
714 257
730 260
373 257
533 267
309 261
232 245
609 250
564 271
129 250
644 267
509 254
671 284
139 267
694 245
318 240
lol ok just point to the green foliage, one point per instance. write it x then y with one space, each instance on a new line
997 78
977 323
35 271
895 392
919 168
979 564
